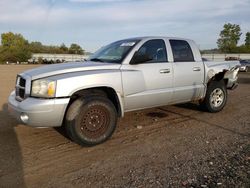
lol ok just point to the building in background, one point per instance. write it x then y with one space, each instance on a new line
222 57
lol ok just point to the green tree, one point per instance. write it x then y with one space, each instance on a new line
36 47
229 37
64 48
75 49
14 48
247 40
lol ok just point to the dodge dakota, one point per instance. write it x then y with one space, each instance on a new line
88 97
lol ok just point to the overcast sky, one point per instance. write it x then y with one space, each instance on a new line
94 23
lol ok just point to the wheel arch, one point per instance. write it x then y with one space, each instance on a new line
219 77
108 92
212 76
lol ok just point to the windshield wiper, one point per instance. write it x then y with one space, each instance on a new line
96 60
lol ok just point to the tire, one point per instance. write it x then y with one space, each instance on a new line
216 97
91 120
246 69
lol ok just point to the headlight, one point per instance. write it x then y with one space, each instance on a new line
43 88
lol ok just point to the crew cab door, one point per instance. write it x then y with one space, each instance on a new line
188 72
149 83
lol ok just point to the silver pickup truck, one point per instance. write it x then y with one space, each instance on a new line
88 97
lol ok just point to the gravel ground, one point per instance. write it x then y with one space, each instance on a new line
170 146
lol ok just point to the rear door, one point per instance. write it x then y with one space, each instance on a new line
188 73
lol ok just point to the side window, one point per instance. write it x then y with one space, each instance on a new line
155 50
182 51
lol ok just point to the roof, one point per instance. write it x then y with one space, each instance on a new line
155 37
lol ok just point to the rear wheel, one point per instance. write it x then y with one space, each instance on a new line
216 97
91 120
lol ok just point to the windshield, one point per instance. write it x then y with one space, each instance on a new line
114 52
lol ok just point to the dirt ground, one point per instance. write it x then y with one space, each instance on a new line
170 146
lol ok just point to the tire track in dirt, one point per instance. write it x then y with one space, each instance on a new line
154 147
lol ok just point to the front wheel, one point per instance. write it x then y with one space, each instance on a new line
91 120
216 97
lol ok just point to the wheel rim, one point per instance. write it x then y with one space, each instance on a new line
217 97
94 122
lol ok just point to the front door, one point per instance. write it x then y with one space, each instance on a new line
150 83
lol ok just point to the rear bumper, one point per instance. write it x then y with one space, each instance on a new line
232 78
38 112
232 83
234 86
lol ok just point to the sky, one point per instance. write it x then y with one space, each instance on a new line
94 23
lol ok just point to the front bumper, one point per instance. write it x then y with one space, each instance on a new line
38 112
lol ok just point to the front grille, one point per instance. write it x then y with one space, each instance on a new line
22 82
20 88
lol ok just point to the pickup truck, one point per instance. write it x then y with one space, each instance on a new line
88 97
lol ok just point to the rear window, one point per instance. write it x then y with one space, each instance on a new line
182 51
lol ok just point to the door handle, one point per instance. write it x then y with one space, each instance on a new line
164 71
196 69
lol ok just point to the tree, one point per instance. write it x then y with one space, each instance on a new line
75 49
64 48
12 40
229 37
247 40
36 47
14 48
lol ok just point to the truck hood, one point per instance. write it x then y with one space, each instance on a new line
63 68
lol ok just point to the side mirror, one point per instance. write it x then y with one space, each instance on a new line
139 58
